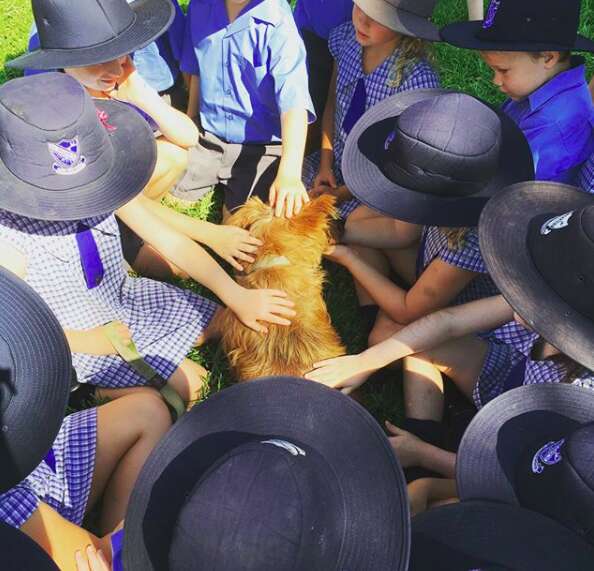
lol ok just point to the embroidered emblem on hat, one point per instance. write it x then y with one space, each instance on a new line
548 455
556 223
67 156
491 13
288 446
104 118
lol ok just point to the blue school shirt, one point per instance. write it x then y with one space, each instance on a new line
321 16
251 71
557 119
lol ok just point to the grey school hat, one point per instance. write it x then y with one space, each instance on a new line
35 372
78 33
64 156
408 17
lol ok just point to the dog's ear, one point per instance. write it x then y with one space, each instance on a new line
315 217
252 211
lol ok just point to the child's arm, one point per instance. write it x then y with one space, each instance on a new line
60 538
193 97
287 193
413 451
325 176
381 232
95 341
250 306
13 260
438 285
233 244
174 125
422 335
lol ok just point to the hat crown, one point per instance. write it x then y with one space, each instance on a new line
446 145
533 21
423 8
562 249
54 141
72 24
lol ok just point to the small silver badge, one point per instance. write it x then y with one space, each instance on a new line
288 446
556 223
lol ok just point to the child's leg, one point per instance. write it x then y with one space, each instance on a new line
150 263
128 429
172 162
423 390
189 381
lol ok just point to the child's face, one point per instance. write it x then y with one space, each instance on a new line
99 77
518 74
369 32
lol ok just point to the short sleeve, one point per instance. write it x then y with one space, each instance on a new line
468 257
288 69
17 505
337 39
586 176
189 61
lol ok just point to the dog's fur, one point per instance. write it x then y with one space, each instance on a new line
310 338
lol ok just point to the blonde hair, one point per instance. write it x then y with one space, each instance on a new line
456 237
408 53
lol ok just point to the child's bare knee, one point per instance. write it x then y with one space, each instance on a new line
152 412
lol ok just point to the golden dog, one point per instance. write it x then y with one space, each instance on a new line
289 260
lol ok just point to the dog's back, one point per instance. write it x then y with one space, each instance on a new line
289 260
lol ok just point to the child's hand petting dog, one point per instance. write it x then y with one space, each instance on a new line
233 244
339 254
324 178
258 305
287 196
345 373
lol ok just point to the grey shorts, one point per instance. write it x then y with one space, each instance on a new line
242 170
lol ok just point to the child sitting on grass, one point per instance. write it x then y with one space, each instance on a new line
248 90
529 45
59 188
108 72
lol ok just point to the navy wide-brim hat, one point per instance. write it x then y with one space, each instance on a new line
35 372
506 227
232 481
489 536
522 26
495 443
21 553
77 33
366 145
66 156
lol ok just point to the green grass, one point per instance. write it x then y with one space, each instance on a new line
459 69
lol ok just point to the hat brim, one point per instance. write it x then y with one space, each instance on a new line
485 535
503 233
371 482
400 21
497 438
368 184
133 164
152 18
464 35
33 395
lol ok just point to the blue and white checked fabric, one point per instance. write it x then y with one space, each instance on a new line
165 321
65 488
586 175
502 358
348 54
435 245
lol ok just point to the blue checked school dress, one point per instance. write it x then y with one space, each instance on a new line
506 368
165 321
434 245
63 479
357 92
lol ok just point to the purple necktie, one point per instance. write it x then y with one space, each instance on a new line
89 256
357 107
